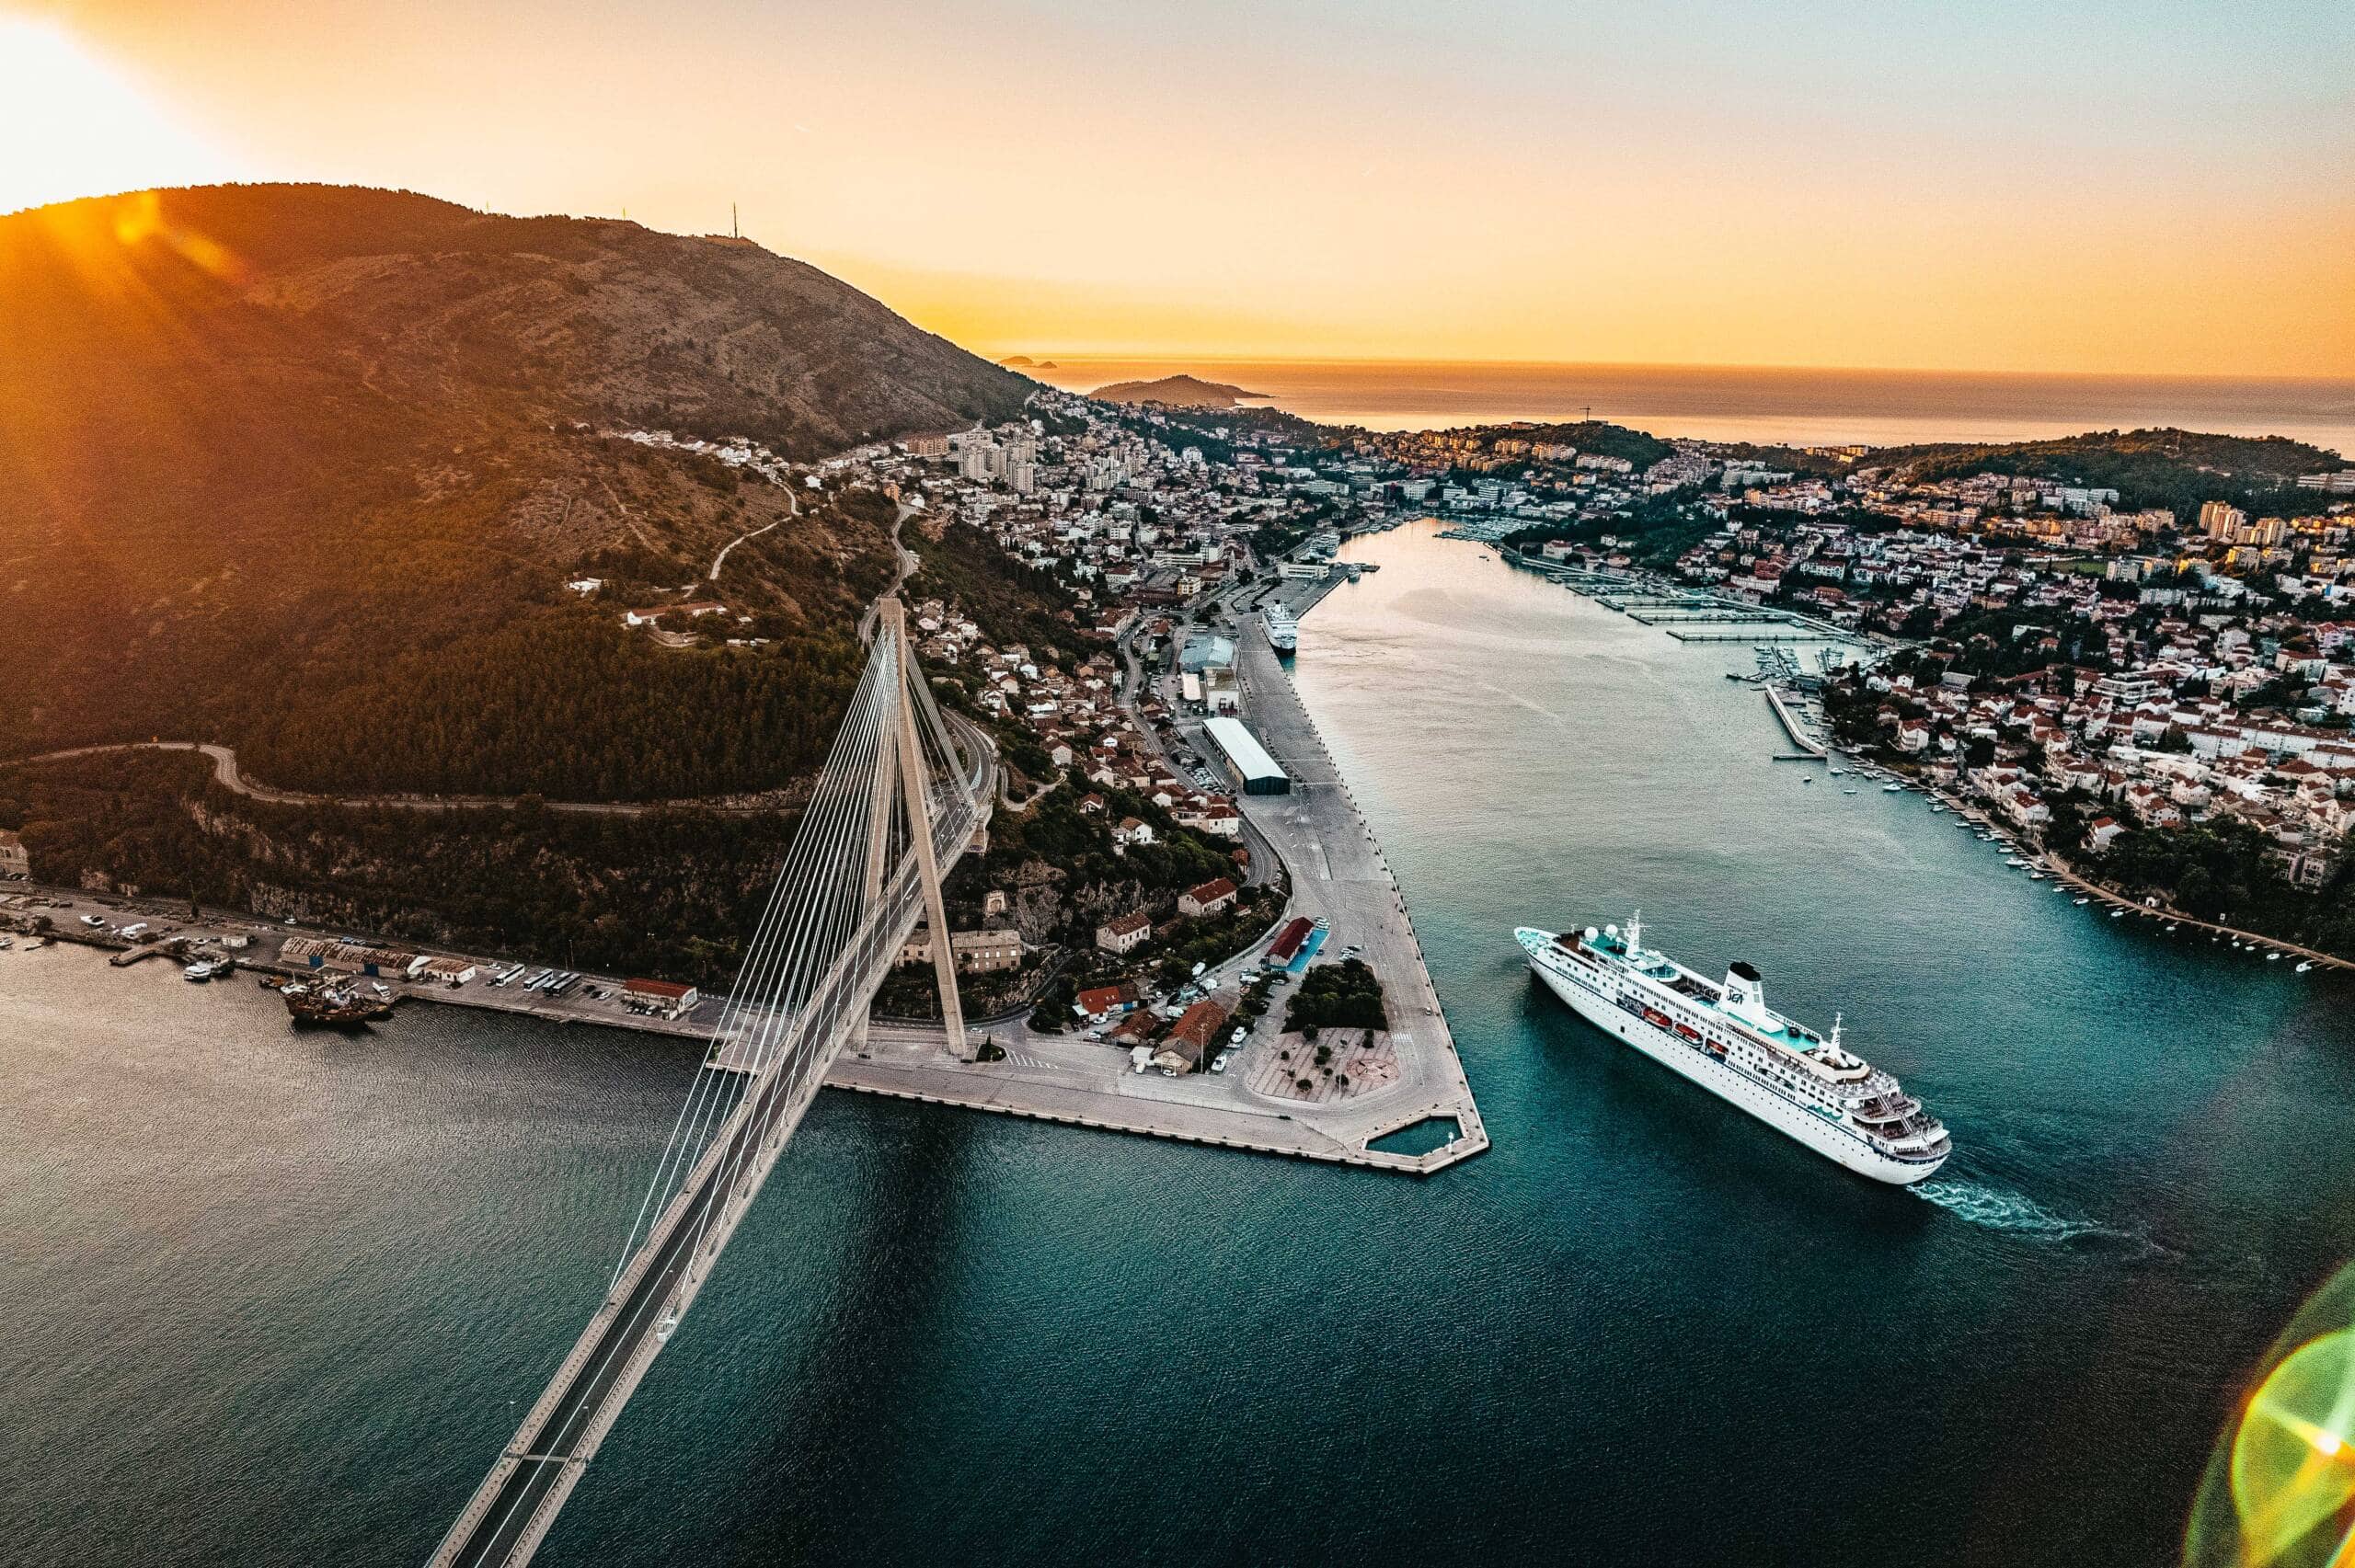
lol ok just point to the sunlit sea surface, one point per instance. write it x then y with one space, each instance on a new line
1787 407
270 1297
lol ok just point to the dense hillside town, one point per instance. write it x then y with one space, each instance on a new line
2093 666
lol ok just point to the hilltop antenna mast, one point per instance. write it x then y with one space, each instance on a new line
735 231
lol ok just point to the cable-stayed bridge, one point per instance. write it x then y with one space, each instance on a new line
898 802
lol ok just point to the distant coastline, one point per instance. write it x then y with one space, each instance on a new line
1814 407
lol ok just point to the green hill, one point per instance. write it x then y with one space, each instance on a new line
2177 469
306 469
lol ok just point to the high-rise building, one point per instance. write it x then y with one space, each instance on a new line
2221 520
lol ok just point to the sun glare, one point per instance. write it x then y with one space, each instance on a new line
73 125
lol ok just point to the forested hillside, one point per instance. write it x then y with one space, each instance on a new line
306 471
674 893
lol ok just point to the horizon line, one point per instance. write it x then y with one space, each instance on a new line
1378 361
999 355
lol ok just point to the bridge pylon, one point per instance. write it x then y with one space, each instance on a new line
904 793
907 761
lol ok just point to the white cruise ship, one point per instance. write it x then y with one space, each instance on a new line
1283 631
1724 1037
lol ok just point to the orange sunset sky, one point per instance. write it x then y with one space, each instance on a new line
2149 187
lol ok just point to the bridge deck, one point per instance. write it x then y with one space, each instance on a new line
511 1511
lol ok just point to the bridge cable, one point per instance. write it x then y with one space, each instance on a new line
766 951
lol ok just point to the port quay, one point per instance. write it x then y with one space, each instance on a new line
1337 873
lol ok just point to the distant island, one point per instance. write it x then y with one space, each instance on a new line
1025 362
1178 392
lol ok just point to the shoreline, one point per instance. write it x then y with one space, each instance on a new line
1056 1079
1766 405
2036 857
2057 868
1345 880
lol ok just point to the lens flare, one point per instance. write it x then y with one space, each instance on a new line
76 125
2280 1490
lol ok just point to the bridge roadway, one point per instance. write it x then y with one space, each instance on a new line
510 1520
516 1504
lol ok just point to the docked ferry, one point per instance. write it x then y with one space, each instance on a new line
1283 630
1723 1036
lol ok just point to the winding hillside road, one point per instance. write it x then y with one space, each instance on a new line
908 563
224 769
792 510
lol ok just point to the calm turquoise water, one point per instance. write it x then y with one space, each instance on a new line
270 1294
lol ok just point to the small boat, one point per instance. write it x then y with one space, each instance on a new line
2236 946
332 1006
2118 914
1807 778
2014 860
1848 792
1892 788
2303 965
2171 926
1937 810
2037 877
2083 903
663 1329
2273 957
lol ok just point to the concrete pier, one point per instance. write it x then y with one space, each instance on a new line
1791 725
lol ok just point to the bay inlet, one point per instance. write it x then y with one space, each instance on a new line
274 1292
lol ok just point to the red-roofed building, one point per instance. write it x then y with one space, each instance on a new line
1182 1050
1286 945
1126 933
1101 1001
1208 899
665 997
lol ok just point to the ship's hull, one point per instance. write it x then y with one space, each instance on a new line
1794 1122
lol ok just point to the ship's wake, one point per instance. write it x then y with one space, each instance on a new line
2016 1214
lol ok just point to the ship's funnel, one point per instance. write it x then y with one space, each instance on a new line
1745 993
